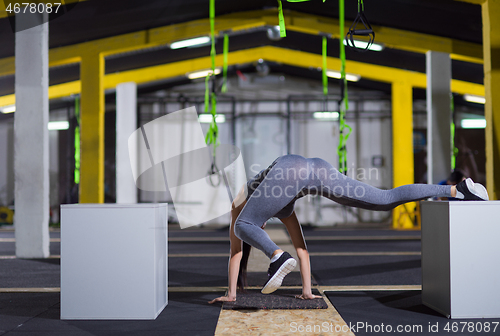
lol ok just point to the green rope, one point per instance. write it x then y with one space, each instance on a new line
212 31
325 78
77 140
212 133
452 131
224 71
361 6
281 19
207 93
344 105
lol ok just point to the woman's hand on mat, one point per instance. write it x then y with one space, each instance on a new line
308 296
223 299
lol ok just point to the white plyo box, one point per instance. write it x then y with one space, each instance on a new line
460 251
114 261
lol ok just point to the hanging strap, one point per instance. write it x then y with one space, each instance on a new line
344 101
224 70
77 140
281 19
212 134
210 99
365 31
325 78
452 133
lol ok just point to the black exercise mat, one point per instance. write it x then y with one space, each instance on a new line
364 246
198 234
367 270
30 273
260 278
329 232
39 314
197 271
281 299
397 308
198 247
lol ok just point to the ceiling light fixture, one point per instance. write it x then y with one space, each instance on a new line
326 115
363 44
193 42
58 125
8 109
474 99
349 77
207 118
201 74
473 123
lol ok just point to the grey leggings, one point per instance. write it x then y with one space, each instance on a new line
292 176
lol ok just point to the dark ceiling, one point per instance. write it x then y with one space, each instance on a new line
94 19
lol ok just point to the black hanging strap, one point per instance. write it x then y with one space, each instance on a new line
365 31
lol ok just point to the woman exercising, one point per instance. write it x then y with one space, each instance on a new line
273 192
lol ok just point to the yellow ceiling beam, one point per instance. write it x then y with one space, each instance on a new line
74 53
476 2
285 56
295 21
55 91
270 53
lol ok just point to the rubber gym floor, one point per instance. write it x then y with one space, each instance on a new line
370 278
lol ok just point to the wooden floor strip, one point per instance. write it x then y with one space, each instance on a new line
310 238
266 260
31 290
282 322
13 240
197 255
368 288
362 238
345 254
55 256
223 289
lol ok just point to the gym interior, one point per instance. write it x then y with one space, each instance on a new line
110 226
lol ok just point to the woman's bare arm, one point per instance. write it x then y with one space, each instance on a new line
295 231
235 254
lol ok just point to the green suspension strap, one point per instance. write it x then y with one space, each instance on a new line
281 19
325 78
77 140
452 131
224 71
212 134
344 102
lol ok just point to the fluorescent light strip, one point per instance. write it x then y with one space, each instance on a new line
201 74
326 115
473 123
474 99
349 77
197 41
8 109
207 118
58 125
363 44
